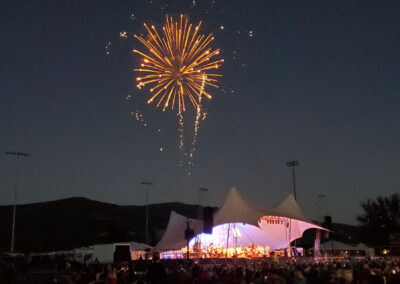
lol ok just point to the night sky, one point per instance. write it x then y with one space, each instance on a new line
318 82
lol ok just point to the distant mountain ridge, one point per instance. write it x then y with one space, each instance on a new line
78 221
75 222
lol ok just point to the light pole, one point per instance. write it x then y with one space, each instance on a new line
202 193
321 197
17 155
147 184
292 164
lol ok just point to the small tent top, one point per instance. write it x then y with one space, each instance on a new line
236 210
288 208
139 246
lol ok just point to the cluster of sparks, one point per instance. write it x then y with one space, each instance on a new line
181 131
178 64
123 34
108 48
139 117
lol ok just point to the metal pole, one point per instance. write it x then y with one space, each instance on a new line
294 184
320 206
147 184
147 214
199 205
17 154
202 192
290 236
187 239
14 208
293 164
227 241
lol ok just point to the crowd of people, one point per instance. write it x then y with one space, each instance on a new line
286 271
283 270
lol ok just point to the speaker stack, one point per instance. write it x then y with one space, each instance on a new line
208 219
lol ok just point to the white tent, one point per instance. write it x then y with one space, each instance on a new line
237 210
139 246
289 214
139 250
368 250
174 236
288 208
104 253
238 222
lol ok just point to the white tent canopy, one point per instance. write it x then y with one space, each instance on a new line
368 250
275 227
288 208
235 209
139 246
361 246
174 236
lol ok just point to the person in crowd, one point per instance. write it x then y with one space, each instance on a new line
299 278
111 276
156 271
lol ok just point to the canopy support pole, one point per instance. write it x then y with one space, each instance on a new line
227 240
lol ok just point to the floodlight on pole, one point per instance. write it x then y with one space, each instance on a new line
147 184
292 164
17 155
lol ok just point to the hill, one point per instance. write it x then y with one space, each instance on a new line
75 222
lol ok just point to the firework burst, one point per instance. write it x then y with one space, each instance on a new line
178 64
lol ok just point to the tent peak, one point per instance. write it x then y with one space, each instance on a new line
236 209
289 200
289 208
233 190
290 197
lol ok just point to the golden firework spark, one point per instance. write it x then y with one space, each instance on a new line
176 63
